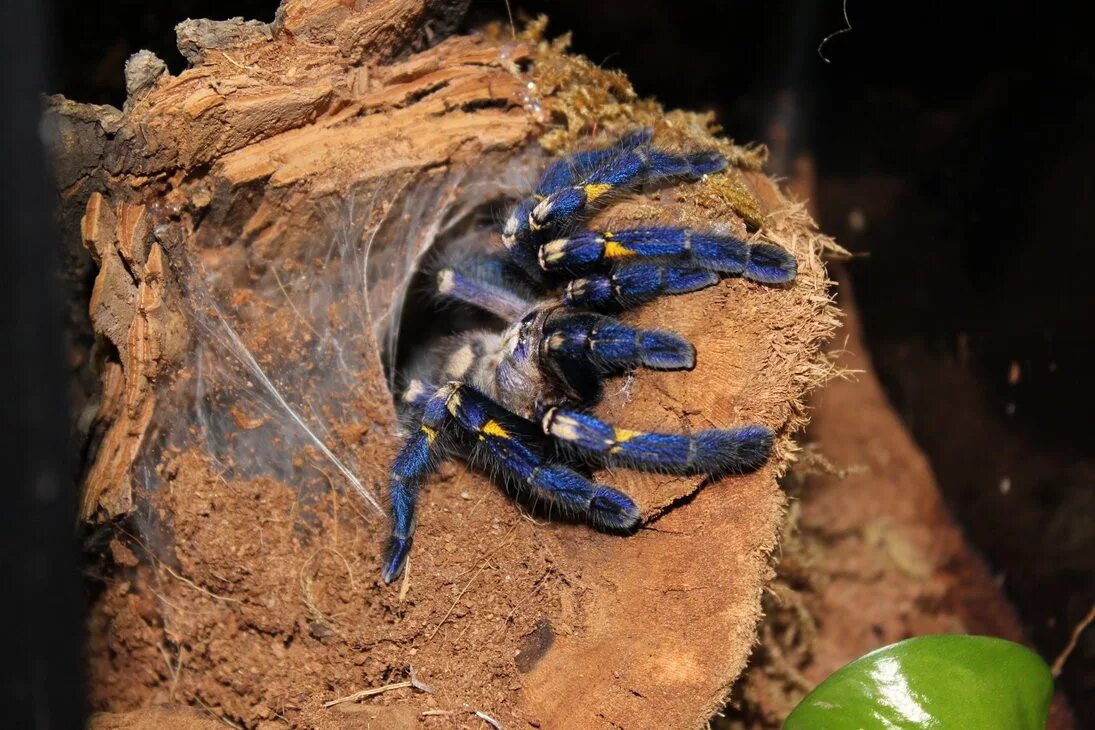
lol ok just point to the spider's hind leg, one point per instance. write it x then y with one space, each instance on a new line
712 451
512 444
504 440
416 460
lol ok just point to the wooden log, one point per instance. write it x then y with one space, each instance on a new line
255 223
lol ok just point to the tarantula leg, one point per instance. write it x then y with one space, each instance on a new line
713 451
416 460
611 345
632 284
484 288
620 173
572 169
517 235
508 441
505 440
762 262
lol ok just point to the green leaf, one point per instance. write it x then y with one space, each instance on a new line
940 681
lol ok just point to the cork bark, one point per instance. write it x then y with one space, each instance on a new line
243 575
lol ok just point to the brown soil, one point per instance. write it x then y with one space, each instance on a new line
156 718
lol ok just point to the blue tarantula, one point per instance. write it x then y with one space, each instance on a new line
519 399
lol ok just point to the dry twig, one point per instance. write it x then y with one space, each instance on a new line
413 682
1059 663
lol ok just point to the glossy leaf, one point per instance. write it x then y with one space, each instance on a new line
940 681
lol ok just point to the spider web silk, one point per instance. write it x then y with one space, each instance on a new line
283 345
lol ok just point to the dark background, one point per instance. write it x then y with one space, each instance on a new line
951 145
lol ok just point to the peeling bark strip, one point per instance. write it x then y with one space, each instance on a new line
128 310
225 177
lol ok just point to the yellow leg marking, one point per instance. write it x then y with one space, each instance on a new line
493 428
614 250
431 434
596 190
622 435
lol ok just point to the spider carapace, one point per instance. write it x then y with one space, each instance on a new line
519 400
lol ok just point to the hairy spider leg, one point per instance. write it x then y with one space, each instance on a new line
581 348
563 352
630 285
504 440
482 287
500 438
416 460
517 236
712 451
572 169
611 345
620 173
762 262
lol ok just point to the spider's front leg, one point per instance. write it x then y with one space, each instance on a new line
571 185
583 348
712 451
630 285
573 169
588 250
623 172
506 441
613 346
517 234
